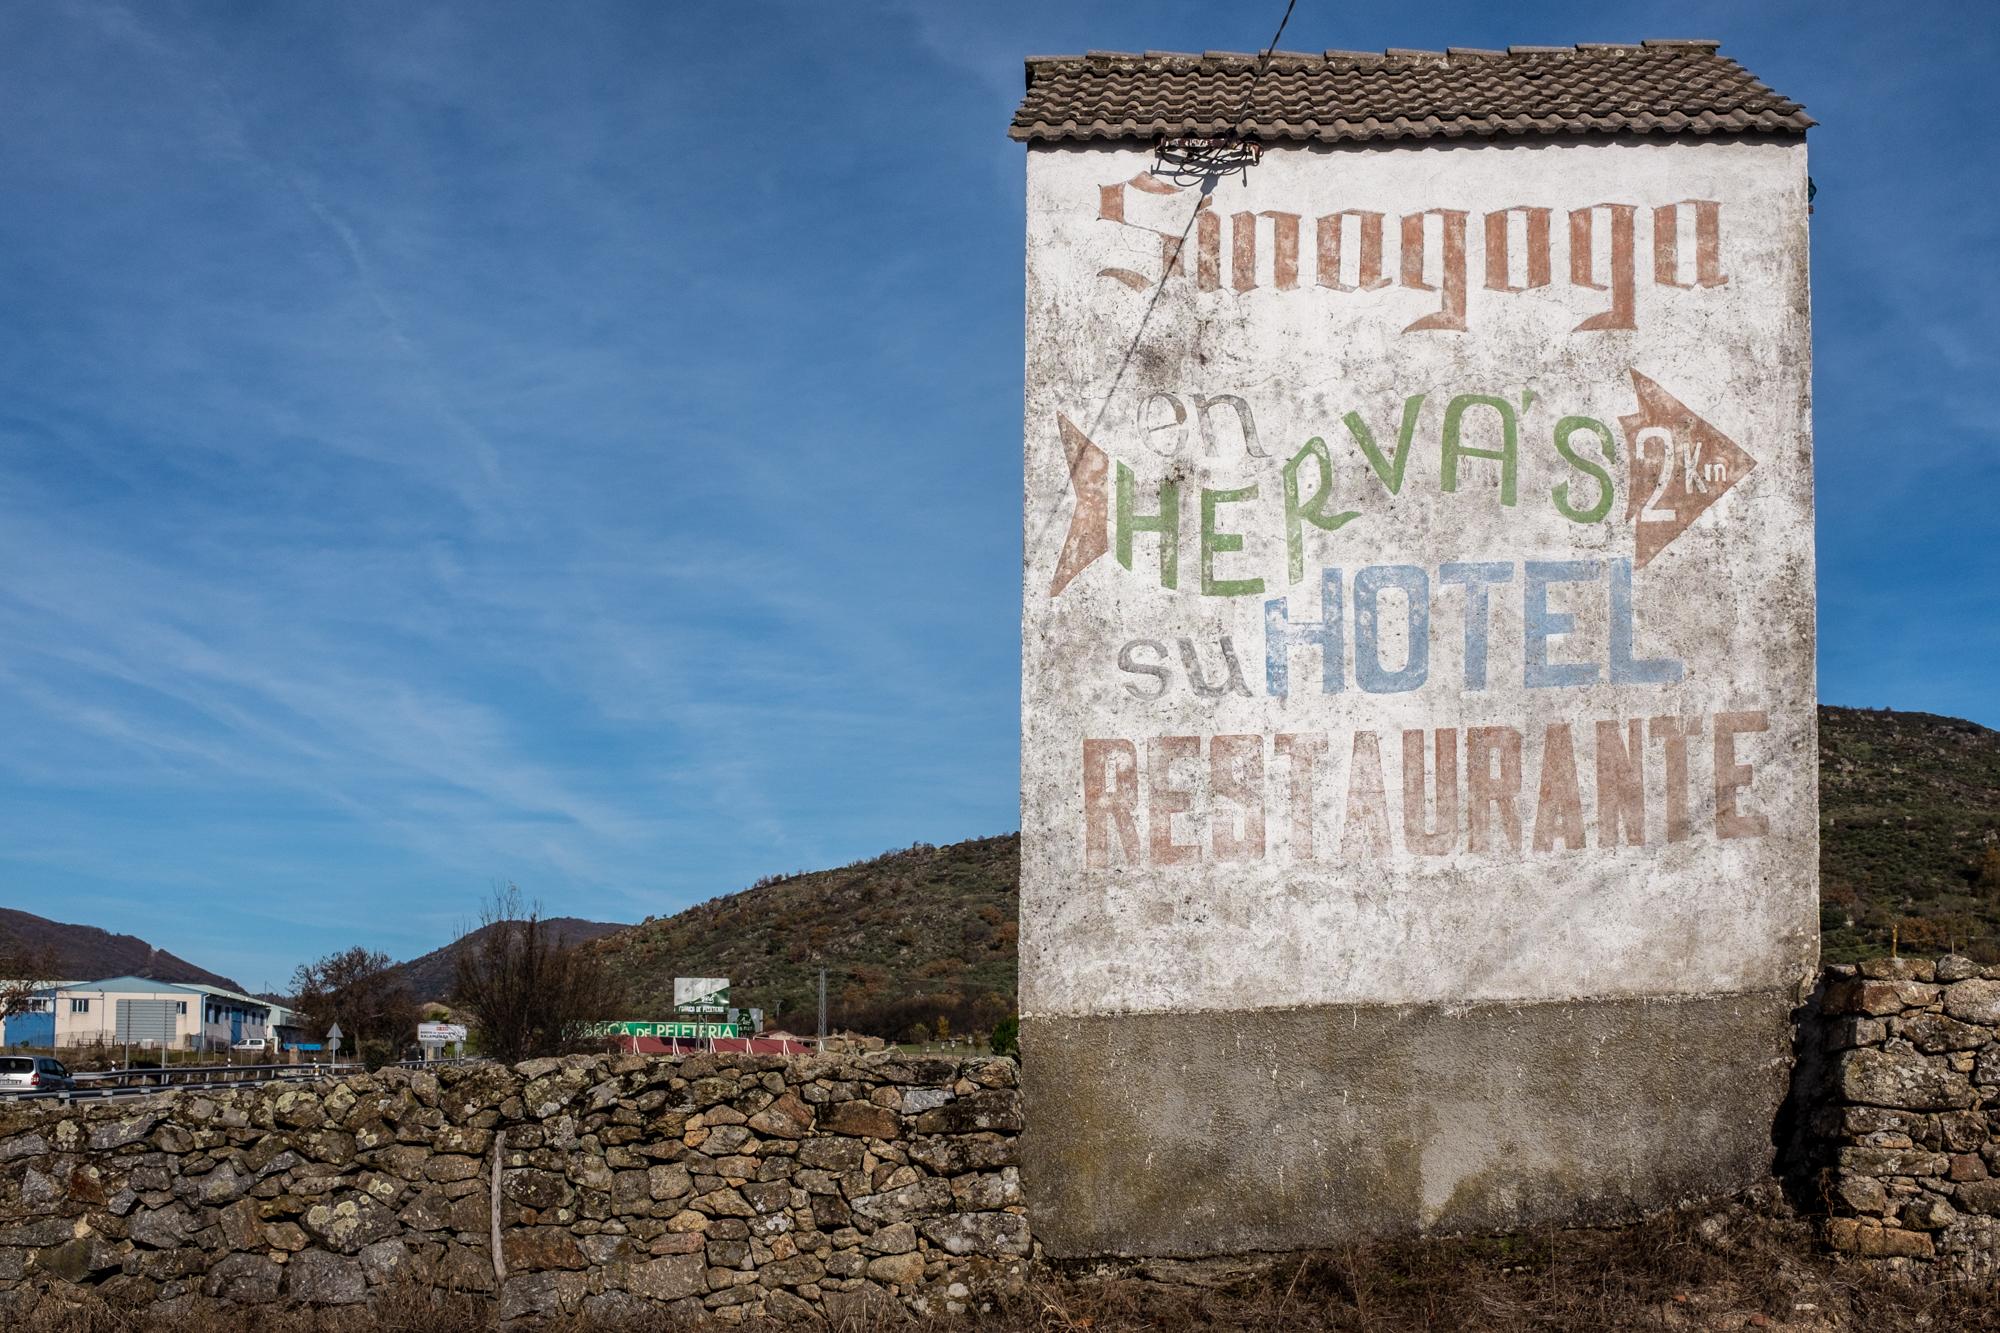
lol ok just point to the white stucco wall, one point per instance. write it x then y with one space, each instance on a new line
1139 905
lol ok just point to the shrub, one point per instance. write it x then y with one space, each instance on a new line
1006 1039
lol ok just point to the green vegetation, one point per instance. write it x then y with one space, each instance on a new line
1007 1036
912 936
1909 834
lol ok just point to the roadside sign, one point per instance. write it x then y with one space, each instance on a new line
701 995
439 1034
333 1036
665 1031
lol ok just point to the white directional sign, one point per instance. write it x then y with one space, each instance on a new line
701 995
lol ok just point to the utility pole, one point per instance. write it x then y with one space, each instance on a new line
822 1008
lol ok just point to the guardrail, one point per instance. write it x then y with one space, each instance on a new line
96 1085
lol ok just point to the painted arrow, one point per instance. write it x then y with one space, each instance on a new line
1678 466
1090 522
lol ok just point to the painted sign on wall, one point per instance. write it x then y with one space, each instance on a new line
1418 598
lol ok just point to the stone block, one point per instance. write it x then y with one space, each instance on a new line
1883 1078
901 1269
993 1109
986 1192
446 1167
980 1233
1979 1196
246 1279
383 1260
1873 1240
349 1223
1859 1194
129 1129
1986 1067
534 1188
1933 1033
830 1212
77 1260
923 1198
1893 1162
831 1154
314 1277
542 1295
1974 1001
796 1271
677 1242
1928 1212
538 1249
1955 967
789 1117
1898 969
861 1120
724 1203
1878 998
162 1228
1961 1131
899 1238
1855 1030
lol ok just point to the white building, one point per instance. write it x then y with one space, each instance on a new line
1417 714
138 1011
230 1017
133 1011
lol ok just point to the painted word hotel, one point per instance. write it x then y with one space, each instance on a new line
1417 615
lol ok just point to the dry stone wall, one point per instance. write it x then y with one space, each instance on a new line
730 1185
1905 1128
804 1189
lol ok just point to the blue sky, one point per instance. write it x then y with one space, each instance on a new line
579 445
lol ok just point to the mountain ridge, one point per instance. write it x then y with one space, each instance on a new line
431 976
91 953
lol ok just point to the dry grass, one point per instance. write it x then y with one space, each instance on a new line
1723 1270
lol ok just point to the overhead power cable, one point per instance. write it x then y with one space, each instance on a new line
1263 63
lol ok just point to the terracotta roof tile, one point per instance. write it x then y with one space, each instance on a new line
1657 87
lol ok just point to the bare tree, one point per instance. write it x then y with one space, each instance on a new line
25 972
530 993
357 990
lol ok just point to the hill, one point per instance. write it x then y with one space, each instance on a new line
1910 847
1909 834
907 937
430 976
86 953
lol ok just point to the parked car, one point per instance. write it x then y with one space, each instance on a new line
34 1073
249 1044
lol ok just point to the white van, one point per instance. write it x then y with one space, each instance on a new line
34 1073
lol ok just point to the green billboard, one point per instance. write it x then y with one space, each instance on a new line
664 1031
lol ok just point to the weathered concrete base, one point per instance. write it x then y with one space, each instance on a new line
1226 1133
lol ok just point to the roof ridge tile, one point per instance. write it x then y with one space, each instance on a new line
1658 86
